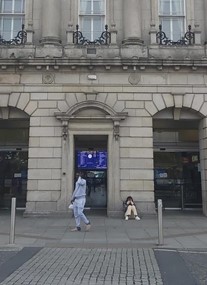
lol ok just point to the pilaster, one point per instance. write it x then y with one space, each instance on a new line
132 22
51 23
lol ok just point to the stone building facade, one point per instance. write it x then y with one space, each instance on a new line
138 93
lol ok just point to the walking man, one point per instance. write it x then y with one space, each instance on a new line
79 200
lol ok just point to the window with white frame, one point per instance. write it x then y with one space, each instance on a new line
172 18
12 14
92 18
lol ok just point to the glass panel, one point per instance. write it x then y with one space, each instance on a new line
13 177
188 135
97 27
172 7
167 176
175 136
173 28
177 29
6 28
86 26
14 136
178 179
85 7
96 194
92 27
177 7
166 27
19 6
1 6
98 7
7 7
7 24
164 7
17 25
92 7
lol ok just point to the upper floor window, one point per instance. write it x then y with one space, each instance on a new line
172 18
12 14
92 18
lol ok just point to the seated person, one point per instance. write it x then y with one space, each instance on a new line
130 209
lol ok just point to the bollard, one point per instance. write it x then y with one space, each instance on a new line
160 228
13 217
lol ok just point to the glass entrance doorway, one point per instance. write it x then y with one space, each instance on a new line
177 179
14 137
13 177
91 158
96 188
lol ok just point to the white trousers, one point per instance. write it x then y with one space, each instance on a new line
78 207
131 209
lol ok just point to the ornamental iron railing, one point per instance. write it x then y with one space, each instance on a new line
20 39
187 39
79 39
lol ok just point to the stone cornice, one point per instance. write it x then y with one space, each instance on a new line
124 63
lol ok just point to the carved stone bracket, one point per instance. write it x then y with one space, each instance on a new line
64 130
116 130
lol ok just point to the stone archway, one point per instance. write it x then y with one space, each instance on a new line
14 142
91 118
181 117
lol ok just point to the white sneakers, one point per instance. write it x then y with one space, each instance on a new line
136 218
88 226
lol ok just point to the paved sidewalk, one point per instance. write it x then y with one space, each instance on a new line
69 266
181 230
114 252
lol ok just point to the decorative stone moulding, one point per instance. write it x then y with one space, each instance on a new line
106 114
48 78
134 78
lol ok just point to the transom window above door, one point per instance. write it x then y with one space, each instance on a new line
172 18
12 14
92 18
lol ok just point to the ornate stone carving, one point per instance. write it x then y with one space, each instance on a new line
134 78
48 78
64 129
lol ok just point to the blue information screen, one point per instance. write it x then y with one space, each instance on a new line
92 159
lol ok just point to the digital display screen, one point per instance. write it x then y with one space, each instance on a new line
91 159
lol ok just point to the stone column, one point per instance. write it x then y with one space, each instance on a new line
29 21
132 22
205 26
203 162
154 22
50 22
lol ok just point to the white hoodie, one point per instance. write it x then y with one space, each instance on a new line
80 188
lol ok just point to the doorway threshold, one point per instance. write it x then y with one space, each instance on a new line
96 211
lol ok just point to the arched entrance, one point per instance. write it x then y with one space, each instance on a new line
14 138
177 167
92 128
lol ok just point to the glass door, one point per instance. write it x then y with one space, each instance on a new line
96 188
177 179
13 177
91 158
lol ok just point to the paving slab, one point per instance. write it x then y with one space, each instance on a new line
181 230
